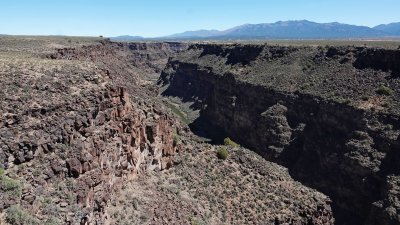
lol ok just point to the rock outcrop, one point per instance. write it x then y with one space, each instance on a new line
71 134
328 114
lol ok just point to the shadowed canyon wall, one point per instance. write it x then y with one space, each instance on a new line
313 110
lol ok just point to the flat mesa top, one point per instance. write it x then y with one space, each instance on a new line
347 71
364 77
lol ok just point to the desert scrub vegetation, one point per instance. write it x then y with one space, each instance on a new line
229 142
196 221
10 187
306 85
177 112
15 215
222 153
52 221
345 101
384 90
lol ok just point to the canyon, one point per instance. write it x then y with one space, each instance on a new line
100 132
312 110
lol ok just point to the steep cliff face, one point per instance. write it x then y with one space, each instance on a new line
331 115
71 133
101 146
379 59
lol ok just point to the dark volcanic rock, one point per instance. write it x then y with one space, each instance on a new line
80 123
71 133
379 59
318 111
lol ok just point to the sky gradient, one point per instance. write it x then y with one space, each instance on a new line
152 18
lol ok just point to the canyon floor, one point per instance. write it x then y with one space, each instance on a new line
100 132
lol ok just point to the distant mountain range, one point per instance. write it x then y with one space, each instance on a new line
197 33
296 29
127 38
391 28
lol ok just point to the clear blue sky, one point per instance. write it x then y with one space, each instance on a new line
161 17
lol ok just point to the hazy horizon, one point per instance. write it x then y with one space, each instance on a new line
155 18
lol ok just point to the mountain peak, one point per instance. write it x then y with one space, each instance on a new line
292 29
300 29
391 28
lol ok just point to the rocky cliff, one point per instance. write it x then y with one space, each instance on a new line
71 134
85 139
329 114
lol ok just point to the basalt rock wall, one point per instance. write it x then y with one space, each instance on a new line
278 101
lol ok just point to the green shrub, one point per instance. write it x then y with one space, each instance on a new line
365 98
17 216
306 86
52 221
344 101
222 153
9 186
331 94
1 172
195 221
229 142
383 90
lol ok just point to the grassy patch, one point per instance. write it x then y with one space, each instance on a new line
196 221
384 90
9 186
365 98
346 101
177 112
52 221
306 85
15 215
